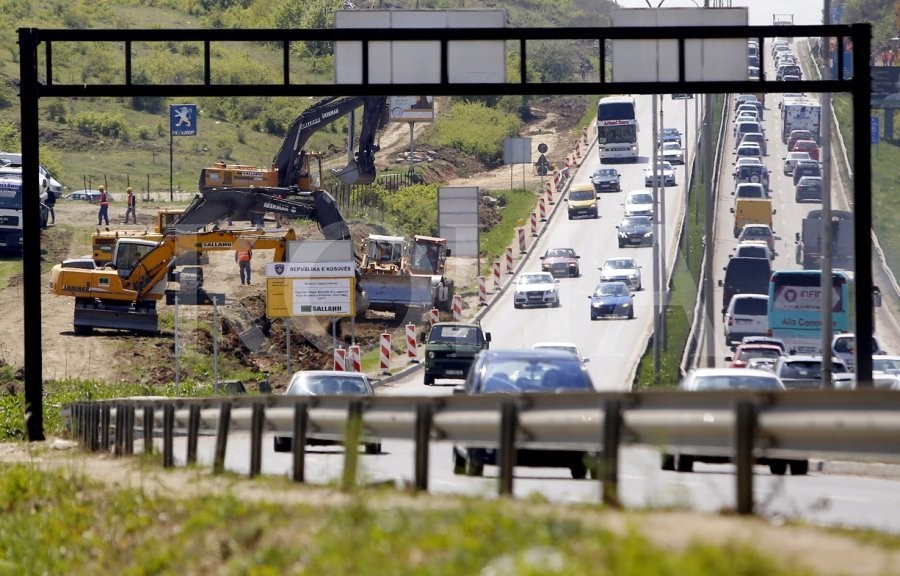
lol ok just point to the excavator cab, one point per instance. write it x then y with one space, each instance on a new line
128 252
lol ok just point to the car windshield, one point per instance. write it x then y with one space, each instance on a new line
581 195
322 385
635 221
560 253
748 353
605 173
536 279
611 289
671 146
620 264
640 199
795 156
756 231
737 382
463 335
886 364
511 375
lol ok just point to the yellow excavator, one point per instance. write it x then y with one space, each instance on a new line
123 293
103 242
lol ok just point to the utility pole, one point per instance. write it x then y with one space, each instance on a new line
657 328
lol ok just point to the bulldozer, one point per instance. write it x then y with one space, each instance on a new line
405 277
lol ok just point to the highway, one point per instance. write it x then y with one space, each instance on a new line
613 348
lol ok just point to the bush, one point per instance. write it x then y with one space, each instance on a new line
101 124
474 129
413 209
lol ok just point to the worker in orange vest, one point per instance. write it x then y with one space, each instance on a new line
242 256
103 214
131 205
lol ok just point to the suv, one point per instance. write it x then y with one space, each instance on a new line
843 346
755 138
752 173
747 315
451 348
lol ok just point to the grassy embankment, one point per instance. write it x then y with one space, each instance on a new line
684 282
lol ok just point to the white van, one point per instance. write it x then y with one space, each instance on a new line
741 128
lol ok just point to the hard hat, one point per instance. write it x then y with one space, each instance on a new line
129 189
101 187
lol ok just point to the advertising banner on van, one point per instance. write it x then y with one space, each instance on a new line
804 298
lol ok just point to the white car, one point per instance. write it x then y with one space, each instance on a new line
747 315
791 160
753 249
843 346
622 269
665 175
749 151
536 289
671 152
639 203
564 346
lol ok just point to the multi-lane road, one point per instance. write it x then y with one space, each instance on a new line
613 348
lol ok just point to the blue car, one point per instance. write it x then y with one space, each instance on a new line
612 299
523 372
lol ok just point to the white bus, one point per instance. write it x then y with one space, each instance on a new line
617 129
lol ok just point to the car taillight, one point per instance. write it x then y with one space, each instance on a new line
730 321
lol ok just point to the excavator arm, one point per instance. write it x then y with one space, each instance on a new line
290 158
214 205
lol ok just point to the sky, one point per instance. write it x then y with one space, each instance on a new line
804 11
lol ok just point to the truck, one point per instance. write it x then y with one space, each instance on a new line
123 294
11 199
450 349
293 167
800 113
399 276
810 242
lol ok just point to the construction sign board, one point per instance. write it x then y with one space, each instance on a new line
310 297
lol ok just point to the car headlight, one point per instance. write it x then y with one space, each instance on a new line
648 234
633 275
626 304
431 354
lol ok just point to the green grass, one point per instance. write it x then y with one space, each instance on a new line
60 522
518 205
683 294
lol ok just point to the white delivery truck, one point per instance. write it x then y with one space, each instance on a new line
800 113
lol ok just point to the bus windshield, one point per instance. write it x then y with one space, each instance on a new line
617 129
11 194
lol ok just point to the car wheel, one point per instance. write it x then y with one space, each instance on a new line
593 317
516 305
799 467
570 216
577 273
282 444
579 471
373 448
429 379
631 315
459 463
684 463
473 468
667 462
621 245
83 330
778 467
555 304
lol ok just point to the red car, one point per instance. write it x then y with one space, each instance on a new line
561 262
798 135
808 146
746 352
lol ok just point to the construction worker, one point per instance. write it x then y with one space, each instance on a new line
51 203
130 205
103 214
242 256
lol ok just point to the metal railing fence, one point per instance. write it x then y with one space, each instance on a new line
743 426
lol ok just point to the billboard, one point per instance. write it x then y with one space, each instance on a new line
657 60
419 62
458 219
411 109
885 86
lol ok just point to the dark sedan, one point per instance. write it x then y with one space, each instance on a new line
808 188
561 262
635 231
606 180
611 299
524 372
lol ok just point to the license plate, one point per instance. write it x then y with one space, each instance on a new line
454 372
743 322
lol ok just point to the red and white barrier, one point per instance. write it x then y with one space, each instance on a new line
457 308
543 209
355 359
340 359
385 352
584 136
509 260
523 248
411 343
482 291
497 281
551 190
534 223
434 316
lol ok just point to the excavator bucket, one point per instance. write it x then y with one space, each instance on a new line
351 174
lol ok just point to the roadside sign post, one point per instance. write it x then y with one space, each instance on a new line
182 122
875 131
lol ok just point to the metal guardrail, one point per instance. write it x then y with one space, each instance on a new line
743 426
